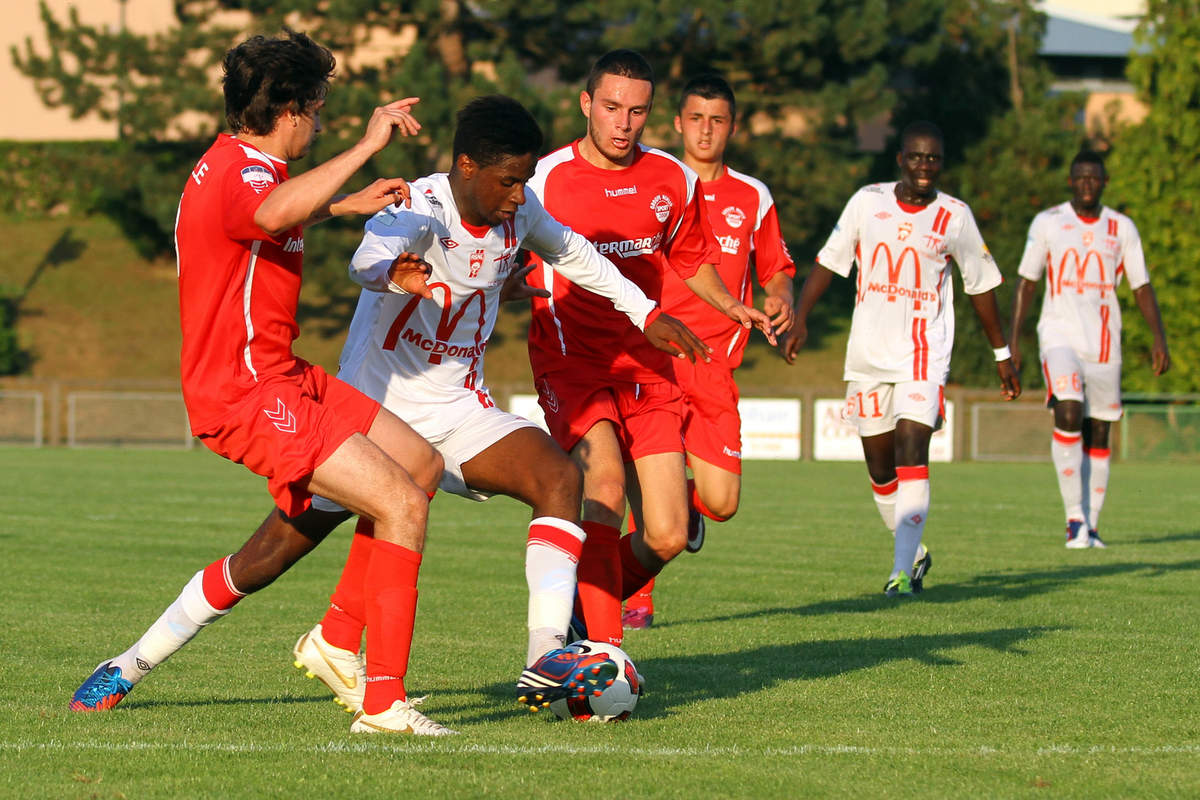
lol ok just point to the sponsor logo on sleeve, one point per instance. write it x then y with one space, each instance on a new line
258 176
661 205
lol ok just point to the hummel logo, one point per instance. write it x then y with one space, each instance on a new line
281 418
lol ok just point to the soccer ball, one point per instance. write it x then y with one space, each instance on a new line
603 703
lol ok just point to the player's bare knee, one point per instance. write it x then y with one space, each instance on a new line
606 494
1068 415
559 488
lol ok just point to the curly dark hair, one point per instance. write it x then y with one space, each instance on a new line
266 76
494 127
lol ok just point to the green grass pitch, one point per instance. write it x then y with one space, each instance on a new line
776 667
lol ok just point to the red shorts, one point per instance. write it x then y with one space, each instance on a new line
288 426
712 427
648 416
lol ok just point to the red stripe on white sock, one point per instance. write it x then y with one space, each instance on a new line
1066 437
885 489
219 591
912 473
564 536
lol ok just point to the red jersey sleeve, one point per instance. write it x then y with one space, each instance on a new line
246 184
693 243
771 255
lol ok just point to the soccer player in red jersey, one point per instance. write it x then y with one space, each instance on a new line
742 214
902 236
1084 248
609 397
240 242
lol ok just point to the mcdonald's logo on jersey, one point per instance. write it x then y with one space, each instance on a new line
895 267
438 345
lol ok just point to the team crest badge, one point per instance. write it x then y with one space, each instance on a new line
661 206
904 230
258 177
1088 238
734 217
476 264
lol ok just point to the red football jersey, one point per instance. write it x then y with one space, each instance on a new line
649 220
238 287
742 215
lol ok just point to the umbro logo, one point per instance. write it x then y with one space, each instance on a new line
281 418
448 243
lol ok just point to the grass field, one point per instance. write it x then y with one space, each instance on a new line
776 668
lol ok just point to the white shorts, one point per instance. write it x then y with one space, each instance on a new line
874 407
459 430
1097 386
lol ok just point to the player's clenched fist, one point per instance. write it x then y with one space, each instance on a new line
407 275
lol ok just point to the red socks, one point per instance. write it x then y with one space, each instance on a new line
343 623
599 582
390 586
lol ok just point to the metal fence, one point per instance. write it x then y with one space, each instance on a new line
37 413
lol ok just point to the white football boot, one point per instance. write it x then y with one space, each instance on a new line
344 672
402 717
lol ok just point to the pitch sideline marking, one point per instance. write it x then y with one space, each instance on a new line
660 752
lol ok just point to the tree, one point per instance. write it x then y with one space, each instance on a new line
1155 180
810 78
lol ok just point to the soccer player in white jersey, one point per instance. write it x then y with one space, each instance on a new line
421 355
742 215
1084 248
902 236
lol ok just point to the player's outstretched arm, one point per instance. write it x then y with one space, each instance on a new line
988 311
1022 299
814 286
309 197
672 336
1148 305
706 284
778 302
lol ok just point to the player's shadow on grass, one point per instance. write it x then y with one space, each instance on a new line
693 677
999 586
1173 537
680 680
134 704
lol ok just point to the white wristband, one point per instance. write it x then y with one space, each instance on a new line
395 288
1002 353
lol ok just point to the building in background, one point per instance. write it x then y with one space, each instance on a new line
1087 46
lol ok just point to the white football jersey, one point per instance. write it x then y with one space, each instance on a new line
903 323
1083 262
406 347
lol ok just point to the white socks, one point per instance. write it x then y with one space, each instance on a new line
912 509
885 501
1066 450
551 557
182 620
1096 461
